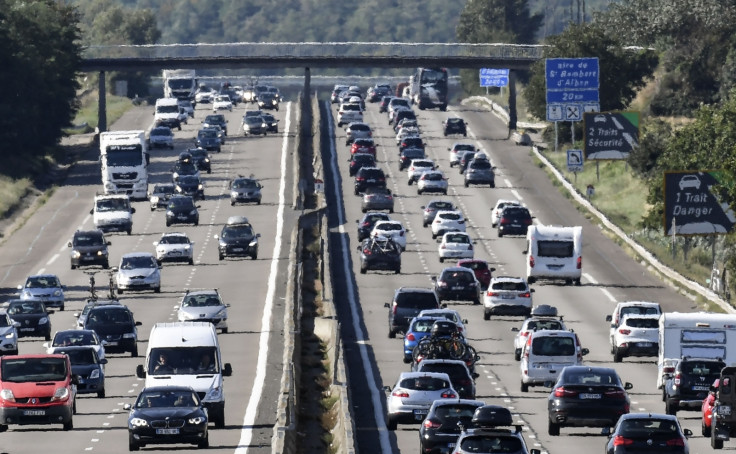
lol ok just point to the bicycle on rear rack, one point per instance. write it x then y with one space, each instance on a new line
92 289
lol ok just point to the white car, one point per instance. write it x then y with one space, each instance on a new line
409 401
8 334
455 245
447 221
174 246
507 295
349 113
432 181
529 326
408 131
204 306
417 168
204 95
161 136
629 308
187 106
449 314
222 102
76 338
391 229
500 205
456 147
636 335
138 271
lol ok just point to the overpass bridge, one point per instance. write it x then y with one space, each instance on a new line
308 55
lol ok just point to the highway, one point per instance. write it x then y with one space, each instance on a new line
374 360
255 290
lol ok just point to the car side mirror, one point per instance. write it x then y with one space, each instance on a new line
76 314
127 407
198 206
493 269
584 351
434 278
535 451
75 379
216 236
103 342
687 432
132 210
609 318
606 431
357 248
465 322
92 211
613 325
514 329
532 290
258 235
103 361
524 252
439 241
443 305
138 323
387 389
109 243
628 385
155 243
45 344
386 305
227 370
140 372
69 244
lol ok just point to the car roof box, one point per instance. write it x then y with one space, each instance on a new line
491 416
544 310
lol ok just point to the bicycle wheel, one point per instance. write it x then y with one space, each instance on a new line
457 349
422 349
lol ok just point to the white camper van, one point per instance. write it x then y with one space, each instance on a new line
188 354
694 334
554 252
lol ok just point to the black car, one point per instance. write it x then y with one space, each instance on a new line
411 142
182 169
33 318
586 396
190 185
454 125
383 106
201 159
182 210
460 377
254 125
272 124
639 433
379 253
407 154
365 225
88 368
406 304
369 177
237 239
688 385
403 115
441 427
268 100
514 220
458 284
487 434
89 247
359 160
167 415
208 139
216 119
115 325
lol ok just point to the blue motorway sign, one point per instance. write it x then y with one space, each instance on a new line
494 77
572 87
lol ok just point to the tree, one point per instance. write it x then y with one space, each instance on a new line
622 71
494 21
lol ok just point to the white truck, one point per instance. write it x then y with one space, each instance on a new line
180 83
697 335
124 162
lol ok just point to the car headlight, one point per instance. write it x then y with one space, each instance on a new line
110 186
95 374
222 313
138 422
187 316
76 254
234 194
193 213
222 244
197 421
61 394
128 335
264 125
43 320
101 253
214 394
25 294
206 160
57 292
178 188
253 243
200 187
160 250
10 335
7 394
154 199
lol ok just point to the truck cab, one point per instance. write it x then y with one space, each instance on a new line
113 213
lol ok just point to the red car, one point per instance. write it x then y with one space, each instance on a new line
363 146
707 409
481 269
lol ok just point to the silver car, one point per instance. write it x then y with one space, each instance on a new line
8 335
431 209
409 401
507 295
480 171
432 181
244 190
161 136
204 306
175 247
138 271
45 288
377 199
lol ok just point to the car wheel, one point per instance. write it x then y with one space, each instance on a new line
517 354
219 257
204 443
69 425
61 308
132 444
106 265
196 223
530 280
209 170
670 407
129 231
714 442
553 429
363 270
486 315
3 427
157 289
74 267
444 192
391 210
492 185
168 223
232 204
74 406
500 233
220 419
391 423
409 182
524 387
120 291
467 184
705 430
101 394
419 192
617 357
191 261
134 352
442 260
363 210
576 282
258 202
47 336
391 334
434 237
397 270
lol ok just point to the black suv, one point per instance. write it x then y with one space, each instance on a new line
33 318
454 125
514 220
237 239
688 385
488 434
442 424
411 142
115 325
201 159
369 177
407 303
458 284
182 210
190 185
365 225
379 253
403 115
360 160
89 247
408 154
216 119
458 372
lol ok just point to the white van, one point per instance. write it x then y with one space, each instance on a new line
188 354
554 252
168 113
546 353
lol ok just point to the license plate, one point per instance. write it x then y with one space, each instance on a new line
507 297
34 412
27 329
420 414
450 445
89 257
457 287
645 344
700 388
723 410
590 396
174 252
237 249
371 180
112 343
167 431
182 216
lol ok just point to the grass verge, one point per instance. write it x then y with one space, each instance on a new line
87 114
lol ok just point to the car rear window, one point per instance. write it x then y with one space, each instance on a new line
480 164
441 206
701 367
642 322
475 265
553 346
559 249
432 176
509 286
457 239
490 443
455 411
422 326
360 127
516 213
535 325
453 277
424 384
454 371
636 428
417 300
450 216
639 310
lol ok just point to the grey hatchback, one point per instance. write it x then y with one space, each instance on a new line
431 209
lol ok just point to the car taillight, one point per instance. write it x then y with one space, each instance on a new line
393 308
442 283
528 221
525 295
504 221
430 424
401 233
675 442
531 261
668 370
437 221
562 392
400 393
444 246
580 263
618 440
678 377
411 337
615 394
448 395
524 333
625 331
359 179
366 224
492 293
367 251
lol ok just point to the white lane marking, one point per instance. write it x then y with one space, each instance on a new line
357 328
608 294
41 271
517 195
246 433
52 259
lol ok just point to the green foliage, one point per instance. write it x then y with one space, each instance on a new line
653 137
622 71
40 54
492 21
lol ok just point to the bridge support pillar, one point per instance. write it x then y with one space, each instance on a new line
102 104
513 117
307 83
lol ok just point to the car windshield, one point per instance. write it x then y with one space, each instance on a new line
207 133
432 176
174 239
464 146
215 119
161 132
491 444
102 316
244 184
509 286
182 360
137 261
189 179
88 240
79 356
163 189
639 310
115 204
42 282
199 153
167 398
455 412
254 120
21 370
202 300
237 231
181 202
422 164
73 338
26 307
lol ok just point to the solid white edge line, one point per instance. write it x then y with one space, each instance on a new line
359 333
246 433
